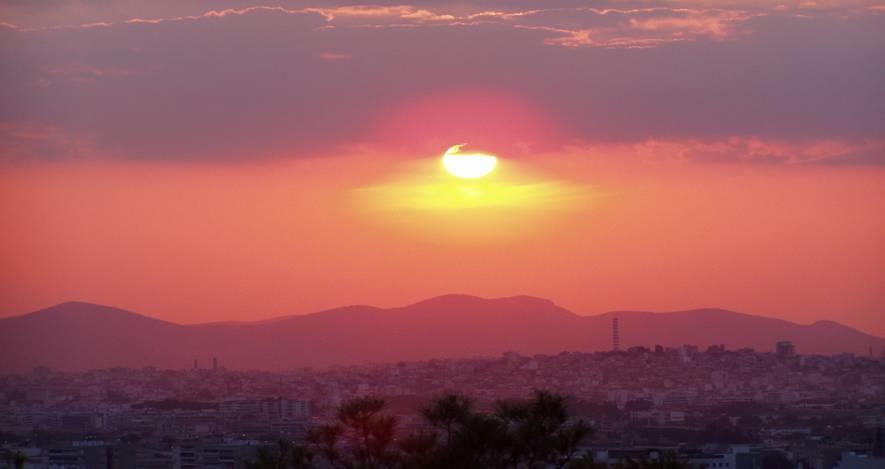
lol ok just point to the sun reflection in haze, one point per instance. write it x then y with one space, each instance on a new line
508 202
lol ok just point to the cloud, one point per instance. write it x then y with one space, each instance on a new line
624 26
251 81
366 14
755 150
334 56
23 142
375 12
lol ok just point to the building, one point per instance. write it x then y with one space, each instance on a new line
785 348
196 455
616 335
270 409
852 460
879 442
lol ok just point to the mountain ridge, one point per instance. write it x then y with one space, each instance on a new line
79 335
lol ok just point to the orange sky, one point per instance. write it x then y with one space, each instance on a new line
258 159
219 241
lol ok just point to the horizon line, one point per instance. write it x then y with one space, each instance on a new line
284 317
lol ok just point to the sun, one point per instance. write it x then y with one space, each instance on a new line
468 165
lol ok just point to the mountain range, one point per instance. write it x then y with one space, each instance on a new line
77 336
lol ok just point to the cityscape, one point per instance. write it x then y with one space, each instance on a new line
713 408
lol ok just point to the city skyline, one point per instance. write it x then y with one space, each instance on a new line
736 409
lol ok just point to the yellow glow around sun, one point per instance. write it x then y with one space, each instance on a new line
468 165
478 199
422 188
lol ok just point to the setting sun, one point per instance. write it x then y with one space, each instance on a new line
425 234
468 165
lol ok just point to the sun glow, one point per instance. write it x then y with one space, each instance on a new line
421 187
468 165
478 199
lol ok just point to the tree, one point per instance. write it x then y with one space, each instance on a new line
282 456
18 460
447 412
518 434
530 434
419 449
368 433
542 436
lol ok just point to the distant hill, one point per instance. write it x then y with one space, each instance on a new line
74 336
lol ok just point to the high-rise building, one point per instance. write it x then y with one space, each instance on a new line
214 363
616 335
785 348
196 364
879 442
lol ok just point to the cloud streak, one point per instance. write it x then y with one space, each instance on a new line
743 150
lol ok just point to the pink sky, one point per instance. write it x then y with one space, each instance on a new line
255 160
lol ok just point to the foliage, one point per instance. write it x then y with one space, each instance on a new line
17 460
536 433
282 456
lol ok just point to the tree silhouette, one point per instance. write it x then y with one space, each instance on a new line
283 456
18 460
535 433
541 434
362 437
447 412
518 434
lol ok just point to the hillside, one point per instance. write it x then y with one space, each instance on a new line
74 336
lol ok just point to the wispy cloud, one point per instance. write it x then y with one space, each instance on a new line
333 56
744 149
568 26
22 142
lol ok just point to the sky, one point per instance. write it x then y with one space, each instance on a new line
214 161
